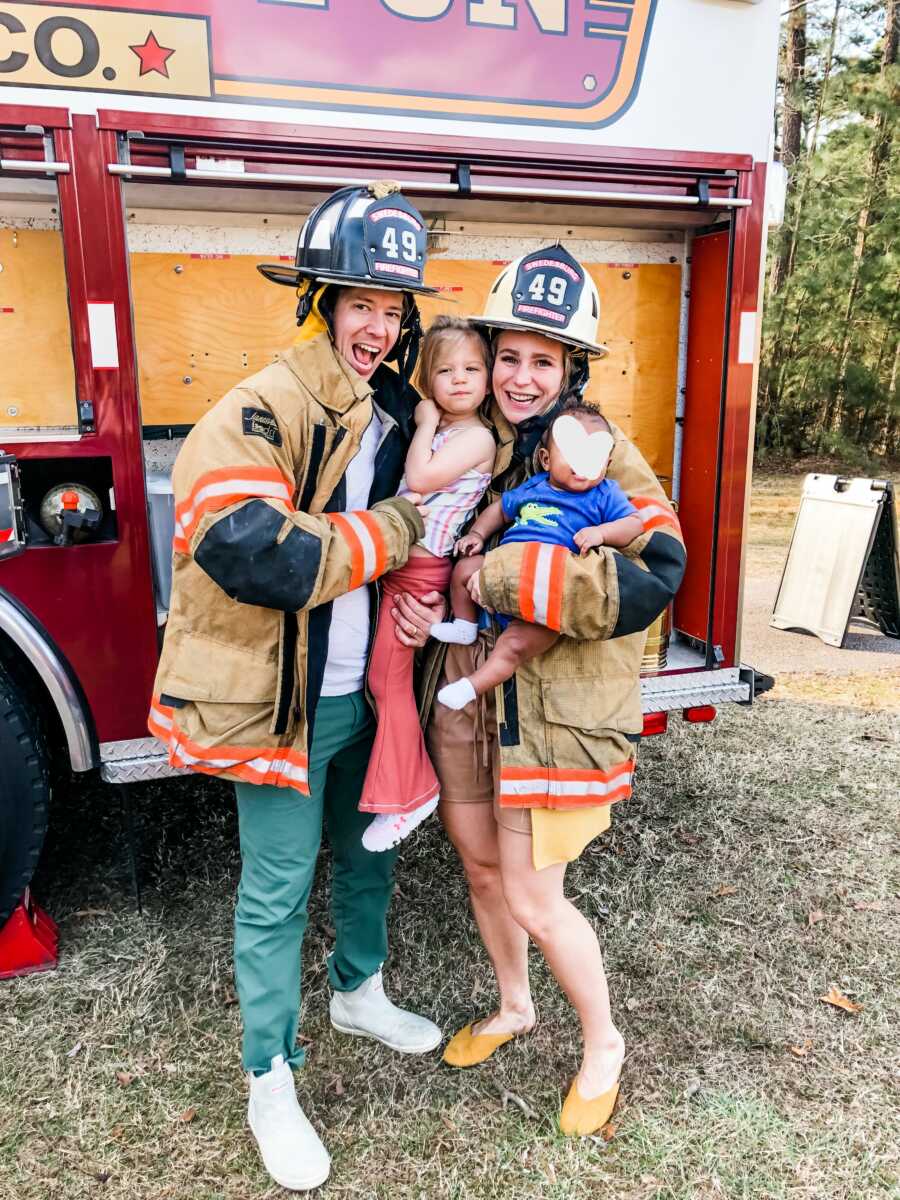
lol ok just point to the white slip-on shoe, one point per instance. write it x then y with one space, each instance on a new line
367 1012
291 1150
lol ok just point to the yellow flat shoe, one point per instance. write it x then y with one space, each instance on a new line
467 1049
580 1117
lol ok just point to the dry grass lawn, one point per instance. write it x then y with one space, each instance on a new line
755 869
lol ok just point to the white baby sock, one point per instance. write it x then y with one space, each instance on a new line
457 695
463 633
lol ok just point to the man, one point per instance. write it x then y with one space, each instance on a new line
285 515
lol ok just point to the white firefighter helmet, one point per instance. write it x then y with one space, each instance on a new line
548 292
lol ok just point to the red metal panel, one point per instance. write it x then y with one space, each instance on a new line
737 443
97 600
703 394
415 145
27 114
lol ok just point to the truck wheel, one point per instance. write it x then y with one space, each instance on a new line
24 793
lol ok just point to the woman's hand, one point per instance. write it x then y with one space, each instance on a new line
427 413
469 543
414 618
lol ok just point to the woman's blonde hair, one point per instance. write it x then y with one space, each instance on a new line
444 332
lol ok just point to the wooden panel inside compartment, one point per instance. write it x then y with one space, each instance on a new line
636 383
36 389
214 320
202 323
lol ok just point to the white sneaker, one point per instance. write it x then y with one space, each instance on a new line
367 1012
387 830
291 1149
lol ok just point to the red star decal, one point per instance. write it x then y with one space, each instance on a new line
153 56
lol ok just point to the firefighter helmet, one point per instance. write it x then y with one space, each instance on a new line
360 237
548 292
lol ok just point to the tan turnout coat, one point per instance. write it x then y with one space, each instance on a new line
570 719
255 555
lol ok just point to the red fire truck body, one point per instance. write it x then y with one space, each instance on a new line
128 237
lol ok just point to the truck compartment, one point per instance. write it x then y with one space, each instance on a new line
205 318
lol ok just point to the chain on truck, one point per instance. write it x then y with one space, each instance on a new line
151 155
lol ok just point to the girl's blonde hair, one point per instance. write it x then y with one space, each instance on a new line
444 332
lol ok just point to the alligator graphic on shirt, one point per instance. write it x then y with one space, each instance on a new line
538 514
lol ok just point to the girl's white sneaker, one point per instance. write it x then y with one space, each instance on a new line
389 829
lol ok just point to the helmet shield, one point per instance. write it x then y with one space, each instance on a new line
547 288
394 243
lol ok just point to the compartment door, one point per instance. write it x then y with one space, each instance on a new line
701 447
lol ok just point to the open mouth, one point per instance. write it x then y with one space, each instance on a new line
364 355
522 399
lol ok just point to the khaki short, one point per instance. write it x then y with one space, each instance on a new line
463 744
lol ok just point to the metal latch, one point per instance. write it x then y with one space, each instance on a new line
12 515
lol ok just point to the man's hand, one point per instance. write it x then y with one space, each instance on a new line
587 538
414 618
469 543
416 499
427 413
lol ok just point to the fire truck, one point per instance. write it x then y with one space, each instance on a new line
151 154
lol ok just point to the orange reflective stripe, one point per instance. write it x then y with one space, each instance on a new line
655 511
564 787
378 543
368 549
357 559
229 485
526 580
555 586
278 765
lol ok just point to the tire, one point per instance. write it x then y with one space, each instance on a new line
24 793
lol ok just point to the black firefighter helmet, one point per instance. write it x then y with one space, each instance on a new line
360 237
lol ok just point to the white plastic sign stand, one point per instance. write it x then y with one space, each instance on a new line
842 563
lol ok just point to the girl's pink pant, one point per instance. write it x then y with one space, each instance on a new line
400 775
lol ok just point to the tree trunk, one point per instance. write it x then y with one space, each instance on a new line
870 212
812 143
793 65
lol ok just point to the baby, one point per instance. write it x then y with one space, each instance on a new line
560 506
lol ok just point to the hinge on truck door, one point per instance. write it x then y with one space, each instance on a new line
86 417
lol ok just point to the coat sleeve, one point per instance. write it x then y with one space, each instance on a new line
234 491
607 593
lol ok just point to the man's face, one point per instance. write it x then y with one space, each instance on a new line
366 326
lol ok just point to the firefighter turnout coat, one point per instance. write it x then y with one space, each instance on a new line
261 548
570 719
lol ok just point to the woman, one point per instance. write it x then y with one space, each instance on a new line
560 747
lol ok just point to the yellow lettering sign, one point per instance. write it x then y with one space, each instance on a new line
104 50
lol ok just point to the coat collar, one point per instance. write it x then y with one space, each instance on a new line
324 373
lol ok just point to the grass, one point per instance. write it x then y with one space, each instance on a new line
755 868
791 805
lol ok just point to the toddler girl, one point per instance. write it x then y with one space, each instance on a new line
449 464
571 504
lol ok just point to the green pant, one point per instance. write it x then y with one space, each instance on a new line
280 834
